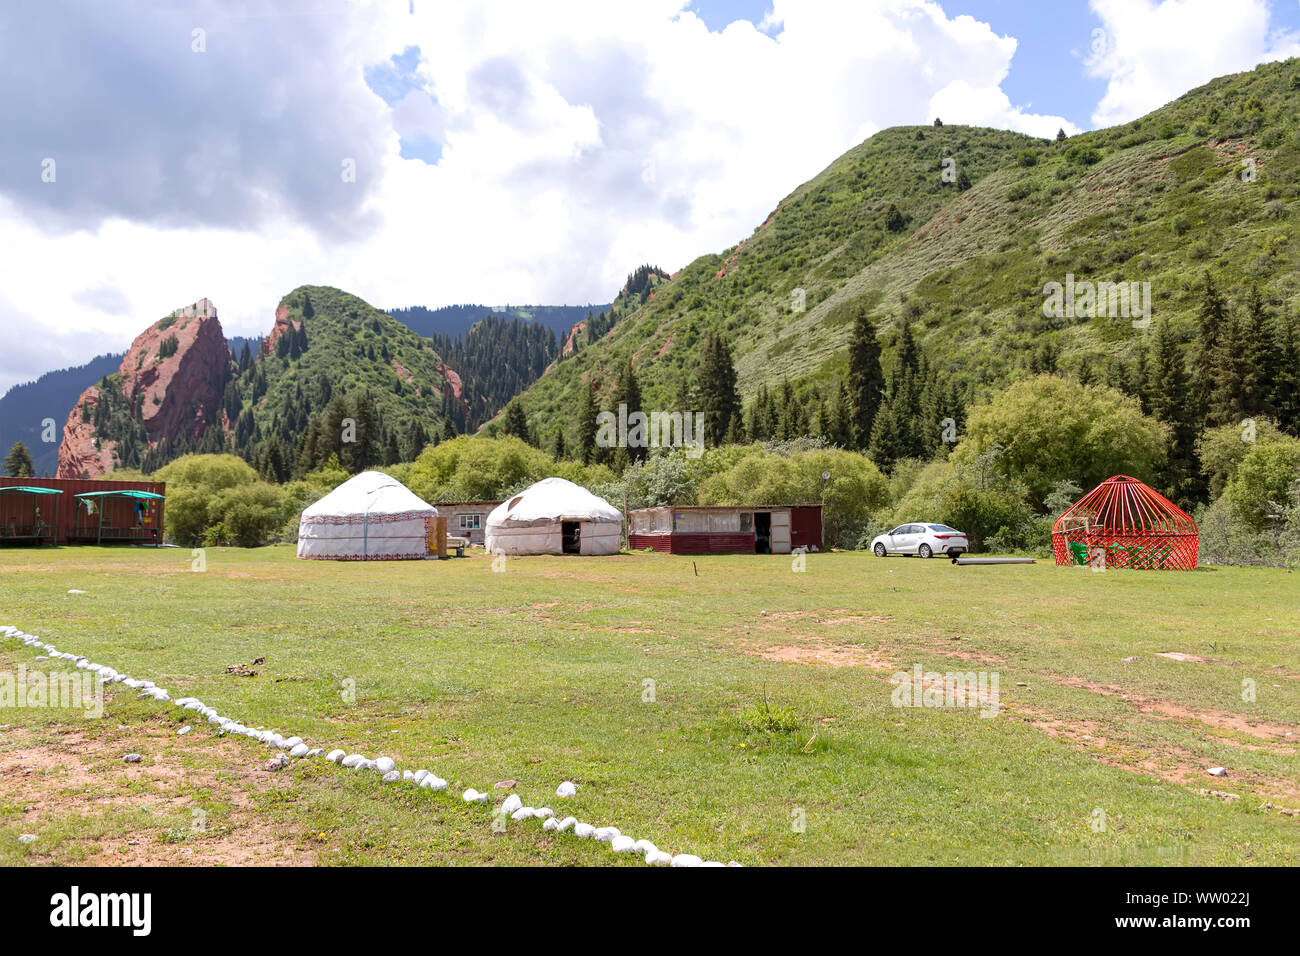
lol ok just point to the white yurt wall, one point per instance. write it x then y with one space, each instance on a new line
370 517
532 521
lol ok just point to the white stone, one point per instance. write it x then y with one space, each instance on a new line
550 823
687 859
566 789
658 858
543 813
299 751
606 834
392 776
583 830
512 803
473 796
621 844
385 764
566 823
184 730
335 755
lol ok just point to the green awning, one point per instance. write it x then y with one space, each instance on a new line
33 491
148 495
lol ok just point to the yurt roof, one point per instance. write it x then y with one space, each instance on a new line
373 493
1123 503
553 499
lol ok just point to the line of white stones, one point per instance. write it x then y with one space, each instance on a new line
297 748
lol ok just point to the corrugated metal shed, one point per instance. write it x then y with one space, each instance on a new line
127 520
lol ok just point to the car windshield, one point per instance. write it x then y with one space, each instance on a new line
943 527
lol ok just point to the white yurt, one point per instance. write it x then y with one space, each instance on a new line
554 516
370 517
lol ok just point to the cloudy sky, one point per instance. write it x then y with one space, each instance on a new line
438 151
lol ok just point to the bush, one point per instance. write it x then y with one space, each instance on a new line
1260 490
247 516
977 498
193 483
1080 155
1222 449
1052 429
479 469
1226 540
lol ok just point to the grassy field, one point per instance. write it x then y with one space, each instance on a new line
539 674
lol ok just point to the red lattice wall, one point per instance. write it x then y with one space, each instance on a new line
1122 523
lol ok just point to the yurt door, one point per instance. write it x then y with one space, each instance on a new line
780 532
571 537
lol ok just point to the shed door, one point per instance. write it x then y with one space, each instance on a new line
780 532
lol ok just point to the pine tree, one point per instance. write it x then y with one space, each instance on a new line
416 439
894 220
18 463
515 421
1258 357
1168 400
1060 135
1286 381
841 419
866 381
1211 320
558 449
392 450
627 391
367 450
587 426
1227 376
716 387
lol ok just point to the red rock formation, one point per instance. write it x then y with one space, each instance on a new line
282 325
175 371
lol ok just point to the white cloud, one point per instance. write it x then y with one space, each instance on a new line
1151 53
959 102
578 139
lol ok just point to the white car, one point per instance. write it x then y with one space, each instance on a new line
926 540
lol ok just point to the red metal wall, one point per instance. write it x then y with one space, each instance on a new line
806 526
120 509
686 543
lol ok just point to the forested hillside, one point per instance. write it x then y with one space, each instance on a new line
953 232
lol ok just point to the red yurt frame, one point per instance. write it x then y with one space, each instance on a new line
1122 523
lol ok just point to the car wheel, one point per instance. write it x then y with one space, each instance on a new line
924 551
880 550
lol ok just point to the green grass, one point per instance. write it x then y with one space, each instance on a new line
541 674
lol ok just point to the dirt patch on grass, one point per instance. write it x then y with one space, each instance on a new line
79 799
1084 733
1168 762
1166 710
820 653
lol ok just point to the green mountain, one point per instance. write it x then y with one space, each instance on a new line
957 230
330 359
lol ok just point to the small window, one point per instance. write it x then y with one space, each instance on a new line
471 522
513 502
691 522
746 522
724 522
